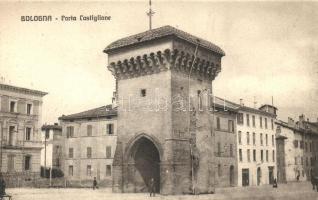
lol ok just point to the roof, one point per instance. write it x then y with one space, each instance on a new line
228 105
49 126
296 127
268 106
22 90
162 32
255 110
104 111
281 137
286 125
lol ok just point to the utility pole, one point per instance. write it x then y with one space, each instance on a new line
1 137
45 153
189 122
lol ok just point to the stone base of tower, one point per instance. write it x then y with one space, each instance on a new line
117 186
174 179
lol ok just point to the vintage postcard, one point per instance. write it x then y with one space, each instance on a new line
158 99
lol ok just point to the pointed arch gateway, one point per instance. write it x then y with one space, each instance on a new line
143 155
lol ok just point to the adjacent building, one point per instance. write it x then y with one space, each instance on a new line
89 146
298 149
256 145
20 124
52 146
225 145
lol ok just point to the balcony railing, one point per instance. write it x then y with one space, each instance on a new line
21 143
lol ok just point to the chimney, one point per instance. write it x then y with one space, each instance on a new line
255 103
301 117
290 121
241 102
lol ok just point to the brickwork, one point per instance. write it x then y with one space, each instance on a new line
281 159
155 103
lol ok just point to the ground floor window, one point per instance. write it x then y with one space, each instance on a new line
27 162
89 170
11 162
108 170
70 170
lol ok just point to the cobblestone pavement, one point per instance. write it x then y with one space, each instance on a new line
291 191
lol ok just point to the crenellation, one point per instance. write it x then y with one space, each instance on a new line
157 62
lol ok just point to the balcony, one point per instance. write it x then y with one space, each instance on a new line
19 144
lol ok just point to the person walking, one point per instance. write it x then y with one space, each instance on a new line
275 183
313 181
95 184
152 187
2 186
298 175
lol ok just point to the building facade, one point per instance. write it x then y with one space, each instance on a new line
225 147
89 146
300 147
164 128
52 146
20 123
256 145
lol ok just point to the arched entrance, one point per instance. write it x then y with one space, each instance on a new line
146 158
231 175
259 175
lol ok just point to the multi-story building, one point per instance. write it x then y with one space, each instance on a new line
298 146
20 121
225 147
52 146
256 145
89 146
157 137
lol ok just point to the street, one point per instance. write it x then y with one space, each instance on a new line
289 191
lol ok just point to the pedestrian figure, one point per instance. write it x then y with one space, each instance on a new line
312 180
152 187
275 183
95 184
298 176
2 186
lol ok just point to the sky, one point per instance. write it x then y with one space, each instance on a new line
271 50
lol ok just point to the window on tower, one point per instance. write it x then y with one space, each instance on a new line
143 92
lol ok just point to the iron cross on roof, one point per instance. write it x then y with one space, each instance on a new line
150 14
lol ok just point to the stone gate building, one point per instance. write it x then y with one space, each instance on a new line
163 77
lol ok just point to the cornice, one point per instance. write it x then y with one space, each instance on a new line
162 61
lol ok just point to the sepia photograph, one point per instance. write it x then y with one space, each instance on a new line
158 99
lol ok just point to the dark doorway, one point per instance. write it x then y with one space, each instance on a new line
231 175
147 165
271 174
245 177
259 175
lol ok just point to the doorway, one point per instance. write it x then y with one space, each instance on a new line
271 175
231 175
147 165
245 177
259 175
